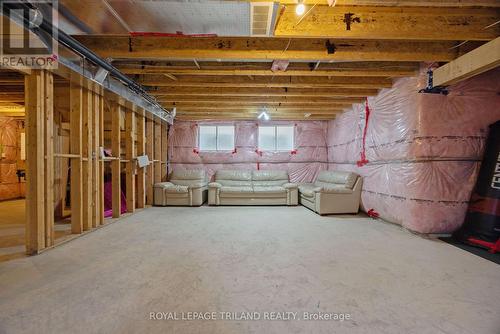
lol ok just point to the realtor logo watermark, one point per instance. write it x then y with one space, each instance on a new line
28 38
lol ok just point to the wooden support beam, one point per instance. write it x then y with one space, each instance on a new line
116 110
270 82
141 150
263 92
126 47
150 153
264 100
96 182
75 121
48 81
164 151
157 151
87 130
482 59
101 162
130 156
333 72
378 23
35 155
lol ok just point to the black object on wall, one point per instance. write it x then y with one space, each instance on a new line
482 221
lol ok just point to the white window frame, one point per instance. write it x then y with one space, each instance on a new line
275 137
216 137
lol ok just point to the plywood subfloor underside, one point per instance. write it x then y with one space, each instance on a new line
249 259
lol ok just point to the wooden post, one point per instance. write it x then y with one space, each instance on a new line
35 205
49 157
101 161
141 150
96 183
75 120
87 159
130 156
164 150
115 163
157 152
150 167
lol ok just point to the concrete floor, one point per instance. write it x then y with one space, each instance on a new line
12 230
262 259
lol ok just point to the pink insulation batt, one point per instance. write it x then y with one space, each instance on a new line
424 150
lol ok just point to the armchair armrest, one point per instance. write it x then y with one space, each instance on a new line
163 185
214 185
290 185
333 190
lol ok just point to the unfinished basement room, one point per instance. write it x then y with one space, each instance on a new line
220 166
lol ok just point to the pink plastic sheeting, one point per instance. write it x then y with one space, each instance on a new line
424 149
108 200
303 165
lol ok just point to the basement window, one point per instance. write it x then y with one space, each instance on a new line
276 138
216 138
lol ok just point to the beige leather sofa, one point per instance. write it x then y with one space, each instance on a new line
245 187
332 192
186 187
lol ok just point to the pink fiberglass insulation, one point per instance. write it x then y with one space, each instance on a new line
424 150
303 164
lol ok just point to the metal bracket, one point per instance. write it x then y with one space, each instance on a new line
430 88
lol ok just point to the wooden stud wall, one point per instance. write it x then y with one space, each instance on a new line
77 112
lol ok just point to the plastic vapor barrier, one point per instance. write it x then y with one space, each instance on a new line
302 164
423 150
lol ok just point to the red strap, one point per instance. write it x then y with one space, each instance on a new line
196 150
373 214
293 152
363 161
234 151
258 152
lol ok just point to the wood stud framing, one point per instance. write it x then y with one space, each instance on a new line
84 129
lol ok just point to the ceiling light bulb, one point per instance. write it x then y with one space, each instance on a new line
300 9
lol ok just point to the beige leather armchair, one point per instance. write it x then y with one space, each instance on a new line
245 187
186 187
332 192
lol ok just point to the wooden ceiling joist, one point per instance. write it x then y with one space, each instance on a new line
398 3
322 92
266 82
223 100
395 23
256 48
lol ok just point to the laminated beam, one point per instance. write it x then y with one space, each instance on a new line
482 59
256 48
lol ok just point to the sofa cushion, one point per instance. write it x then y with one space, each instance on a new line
196 178
307 189
269 191
348 179
176 189
234 178
237 191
